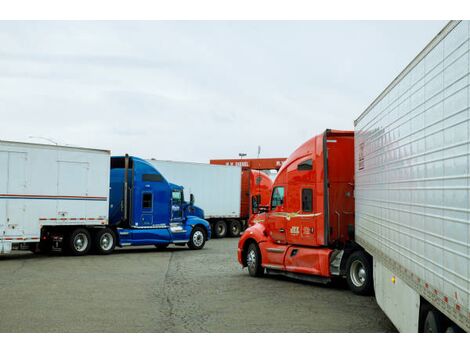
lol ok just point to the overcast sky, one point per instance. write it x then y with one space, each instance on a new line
194 91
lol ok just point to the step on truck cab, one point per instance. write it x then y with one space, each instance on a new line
145 209
308 232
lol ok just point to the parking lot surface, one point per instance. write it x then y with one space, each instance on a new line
175 290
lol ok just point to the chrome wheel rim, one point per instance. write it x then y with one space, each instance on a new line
358 273
198 238
106 241
251 260
80 242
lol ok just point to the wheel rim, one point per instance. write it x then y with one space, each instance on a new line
80 242
106 241
251 259
358 273
221 230
198 238
235 229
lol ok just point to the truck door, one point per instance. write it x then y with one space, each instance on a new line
277 218
147 208
176 205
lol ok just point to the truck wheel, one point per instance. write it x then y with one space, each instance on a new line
161 247
79 242
359 273
235 228
104 241
433 322
253 261
220 229
454 329
197 238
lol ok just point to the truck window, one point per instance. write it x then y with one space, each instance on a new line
278 197
146 201
307 200
305 165
255 201
176 196
152 178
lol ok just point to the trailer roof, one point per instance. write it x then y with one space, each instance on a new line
53 146
436 40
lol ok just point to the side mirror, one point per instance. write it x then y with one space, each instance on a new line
191 199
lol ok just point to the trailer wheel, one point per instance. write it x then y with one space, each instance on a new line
105 241
235 228
79 242
454 329
359 273
434 322
220 229
197 240
253 261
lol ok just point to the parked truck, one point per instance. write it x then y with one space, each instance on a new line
77 199
397 219
308 232
229 195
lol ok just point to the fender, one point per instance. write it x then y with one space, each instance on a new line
192 221
255 233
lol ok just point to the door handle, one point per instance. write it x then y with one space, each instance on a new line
282 230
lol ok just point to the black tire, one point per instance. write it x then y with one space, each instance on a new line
454 329
162 247
359 273
220 229
79 242
434 322
104 241
235 228
197 240
253 260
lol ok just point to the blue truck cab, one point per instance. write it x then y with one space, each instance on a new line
145 209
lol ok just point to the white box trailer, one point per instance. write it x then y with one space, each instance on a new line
412 160
216 188
47 186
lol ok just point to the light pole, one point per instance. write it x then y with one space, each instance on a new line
241 155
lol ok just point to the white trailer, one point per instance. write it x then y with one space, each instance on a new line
412 160
216 188
51 188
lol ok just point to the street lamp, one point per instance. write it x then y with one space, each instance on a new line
241 155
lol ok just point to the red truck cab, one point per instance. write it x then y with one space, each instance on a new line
308 232
260 193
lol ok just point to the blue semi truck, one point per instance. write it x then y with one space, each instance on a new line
144 209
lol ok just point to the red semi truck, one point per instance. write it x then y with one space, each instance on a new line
308 233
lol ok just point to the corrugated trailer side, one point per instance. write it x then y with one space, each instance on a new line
45 186
413 187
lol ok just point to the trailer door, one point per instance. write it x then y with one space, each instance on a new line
16 188
3 192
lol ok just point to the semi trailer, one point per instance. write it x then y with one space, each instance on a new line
413 188
386 207
229 195
76 200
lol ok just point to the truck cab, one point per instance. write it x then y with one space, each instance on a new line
145 209
260 193
308 232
